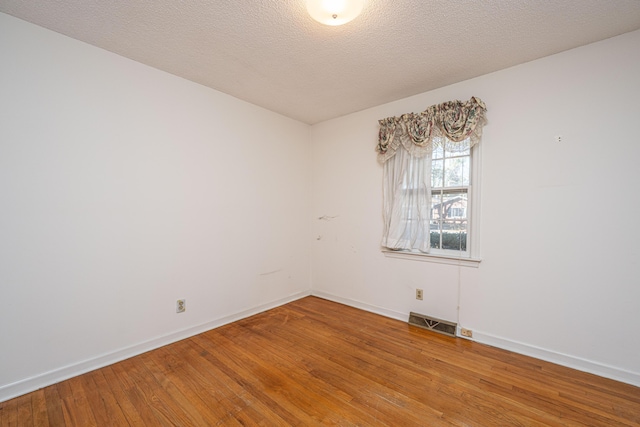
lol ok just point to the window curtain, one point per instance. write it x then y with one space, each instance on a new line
403 146
406 194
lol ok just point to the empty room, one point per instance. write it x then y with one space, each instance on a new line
314 212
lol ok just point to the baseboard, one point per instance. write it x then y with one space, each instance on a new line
573 362
37 382
362 306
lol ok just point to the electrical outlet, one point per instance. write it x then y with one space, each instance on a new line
466 332
181 306
419 294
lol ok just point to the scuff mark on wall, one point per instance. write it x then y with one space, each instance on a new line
271 272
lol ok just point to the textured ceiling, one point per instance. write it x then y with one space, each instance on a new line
272 54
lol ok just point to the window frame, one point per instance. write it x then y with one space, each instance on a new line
470 257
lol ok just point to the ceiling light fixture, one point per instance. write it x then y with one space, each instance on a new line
334 12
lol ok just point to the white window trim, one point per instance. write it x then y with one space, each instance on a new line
470 258
437 258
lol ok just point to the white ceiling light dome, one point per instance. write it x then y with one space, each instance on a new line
334 12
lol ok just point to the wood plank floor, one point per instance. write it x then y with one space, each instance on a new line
315 362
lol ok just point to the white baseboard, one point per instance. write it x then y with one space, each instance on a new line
362 306
573 362
569 361
37 382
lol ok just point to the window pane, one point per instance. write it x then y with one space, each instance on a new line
438 152
464 151
456 173
435 234
436 206
437 173
453 206
454 235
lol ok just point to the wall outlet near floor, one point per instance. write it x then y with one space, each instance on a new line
419 294
181 305
466 332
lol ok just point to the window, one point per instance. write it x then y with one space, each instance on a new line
430 175
450 175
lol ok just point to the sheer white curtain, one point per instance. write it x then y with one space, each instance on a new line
406 194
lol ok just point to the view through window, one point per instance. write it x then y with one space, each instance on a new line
449 222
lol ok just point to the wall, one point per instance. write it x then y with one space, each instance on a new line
123 189
559 277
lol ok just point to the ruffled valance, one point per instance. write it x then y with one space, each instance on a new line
455 125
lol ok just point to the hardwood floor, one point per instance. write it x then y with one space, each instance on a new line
315 362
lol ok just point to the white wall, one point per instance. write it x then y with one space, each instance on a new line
560 276
122 189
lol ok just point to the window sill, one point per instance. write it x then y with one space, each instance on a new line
440 259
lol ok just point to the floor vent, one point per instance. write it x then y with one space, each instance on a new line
433 324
